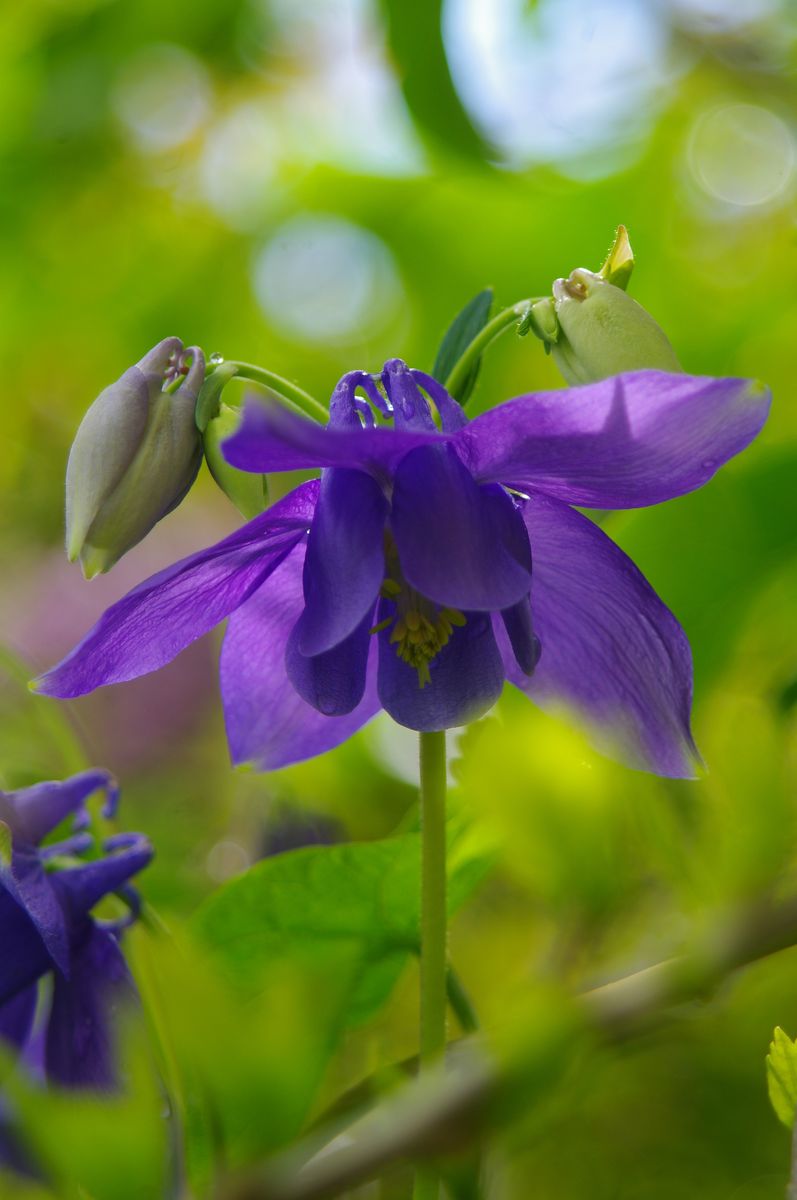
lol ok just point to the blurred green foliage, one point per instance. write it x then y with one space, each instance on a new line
311 187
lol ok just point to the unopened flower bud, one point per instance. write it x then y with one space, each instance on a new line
246 489
603 332
134 457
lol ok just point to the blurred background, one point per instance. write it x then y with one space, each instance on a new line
318 187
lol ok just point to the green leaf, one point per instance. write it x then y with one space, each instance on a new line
312 901
242 1068
782 1077
97 1145
415 38
460 333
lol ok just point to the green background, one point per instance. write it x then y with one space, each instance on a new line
219 170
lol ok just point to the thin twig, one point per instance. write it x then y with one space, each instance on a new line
791 1191
421 1117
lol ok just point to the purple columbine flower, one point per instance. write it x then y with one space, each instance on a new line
430 564
46 928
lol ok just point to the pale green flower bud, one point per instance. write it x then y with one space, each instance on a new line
594 329
247 490
134 457
602 331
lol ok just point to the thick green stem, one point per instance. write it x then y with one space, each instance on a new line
434 927
434 933
473 352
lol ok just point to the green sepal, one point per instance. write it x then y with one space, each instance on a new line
620 260
604 331
247 490
209 399
541 320
467 324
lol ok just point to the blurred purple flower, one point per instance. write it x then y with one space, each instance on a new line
425 537
46 926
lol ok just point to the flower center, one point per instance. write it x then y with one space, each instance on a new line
420 628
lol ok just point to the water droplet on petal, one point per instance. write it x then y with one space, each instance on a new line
215 360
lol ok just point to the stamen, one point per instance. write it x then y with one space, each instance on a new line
420 628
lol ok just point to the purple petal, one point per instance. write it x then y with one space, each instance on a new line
31 813
410 408
163 615
520 631
460 544
16 1016
272 439
466 677
452 414
345 561
24 958
625 442
80 1050
345 404
268 723
27 882
332 682
80 888
612 653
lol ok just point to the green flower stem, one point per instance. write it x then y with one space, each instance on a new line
217 379
434 927
473 352
299 398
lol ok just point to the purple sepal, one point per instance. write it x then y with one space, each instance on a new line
272 439
151 625
625 442
267 721
613 654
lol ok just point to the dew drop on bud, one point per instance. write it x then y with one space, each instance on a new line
215 360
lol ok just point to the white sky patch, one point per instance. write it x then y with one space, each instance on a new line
162 96
238 168
559 81
743 155
321 278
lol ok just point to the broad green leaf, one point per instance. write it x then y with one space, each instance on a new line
782 1077
102 1146
322 898
241 1070
415 37
460 333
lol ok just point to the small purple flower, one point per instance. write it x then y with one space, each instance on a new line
430 564
46 927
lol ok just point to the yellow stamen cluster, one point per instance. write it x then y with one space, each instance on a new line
421 629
